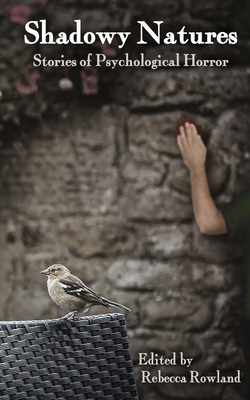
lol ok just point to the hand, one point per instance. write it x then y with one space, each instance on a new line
192 147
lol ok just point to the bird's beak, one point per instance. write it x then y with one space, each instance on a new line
45 271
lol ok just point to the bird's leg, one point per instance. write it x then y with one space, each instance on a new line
70 316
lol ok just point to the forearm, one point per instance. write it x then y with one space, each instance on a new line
208 217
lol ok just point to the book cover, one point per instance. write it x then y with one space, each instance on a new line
92 97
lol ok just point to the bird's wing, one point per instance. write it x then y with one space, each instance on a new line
81 291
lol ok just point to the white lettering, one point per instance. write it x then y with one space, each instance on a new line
155 36
32 32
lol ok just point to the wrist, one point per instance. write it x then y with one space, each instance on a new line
197 170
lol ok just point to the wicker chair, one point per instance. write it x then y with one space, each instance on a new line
56 359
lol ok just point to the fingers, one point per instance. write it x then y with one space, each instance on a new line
191 146
183 135
179 142
189 132
188 129
188 138
182 139
193 134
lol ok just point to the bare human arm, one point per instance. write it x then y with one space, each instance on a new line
208 217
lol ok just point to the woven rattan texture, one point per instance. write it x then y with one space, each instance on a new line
56 359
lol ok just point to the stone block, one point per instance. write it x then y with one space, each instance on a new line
155 204
178 313
221 350
169 240
178 177
89 238
180 275
143 275
142 173
163 343
205 278
156 132
231 131
205 88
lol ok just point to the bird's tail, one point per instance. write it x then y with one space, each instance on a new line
111 303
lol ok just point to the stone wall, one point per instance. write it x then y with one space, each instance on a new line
106 193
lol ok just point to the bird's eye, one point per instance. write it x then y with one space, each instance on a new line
53 270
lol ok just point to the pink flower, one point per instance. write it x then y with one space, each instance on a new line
26 83
65 84
24 86
90 80
31 73
110 49
20 14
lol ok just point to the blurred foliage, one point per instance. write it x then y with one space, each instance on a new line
25 93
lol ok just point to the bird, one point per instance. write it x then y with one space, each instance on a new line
71 294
